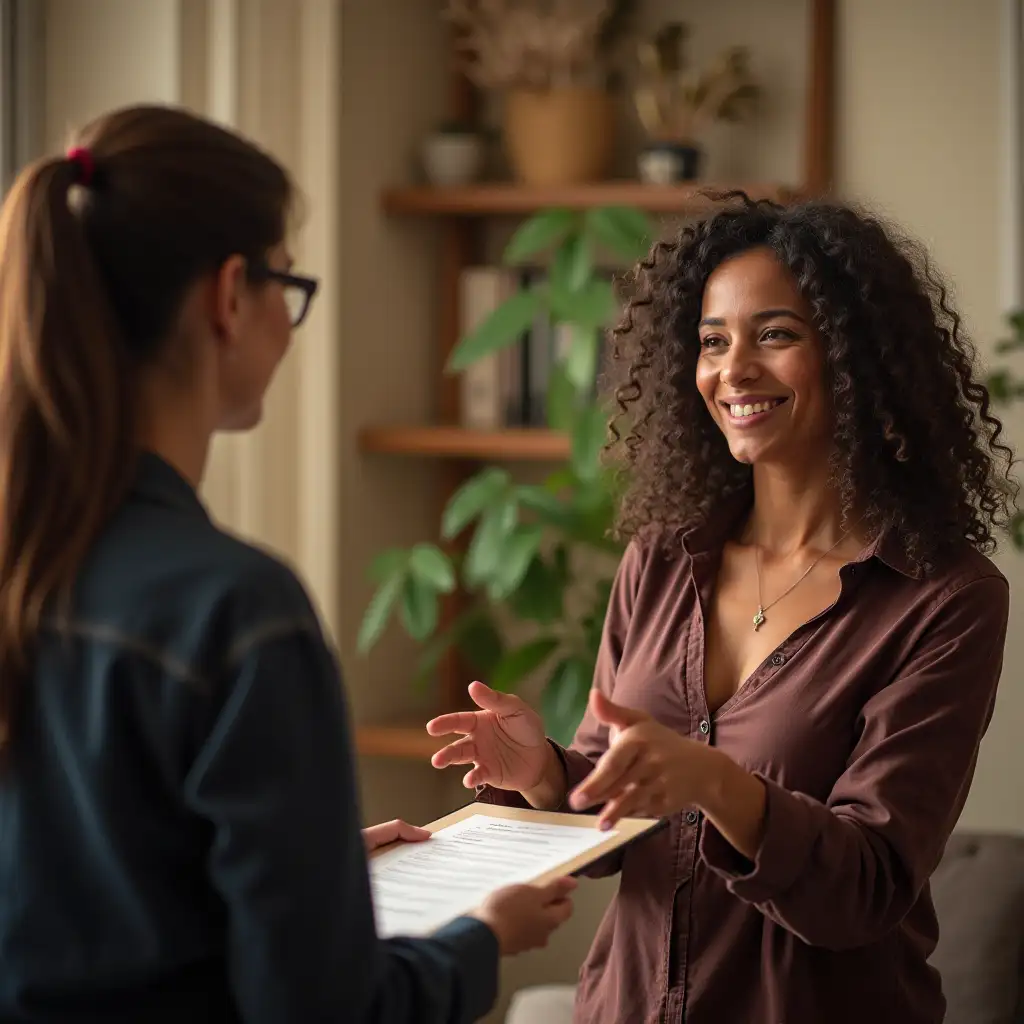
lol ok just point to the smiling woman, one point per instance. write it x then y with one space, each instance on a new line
842 317
804 637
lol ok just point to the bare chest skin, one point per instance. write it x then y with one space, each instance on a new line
733 649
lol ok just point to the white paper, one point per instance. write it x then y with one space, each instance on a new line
418 887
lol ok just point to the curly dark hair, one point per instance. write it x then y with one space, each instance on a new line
916 446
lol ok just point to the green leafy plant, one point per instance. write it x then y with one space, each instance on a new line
1006 388
527 556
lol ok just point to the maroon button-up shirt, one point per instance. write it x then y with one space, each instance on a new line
864 726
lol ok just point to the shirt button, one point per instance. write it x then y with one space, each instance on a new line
778 658
705 726
691 817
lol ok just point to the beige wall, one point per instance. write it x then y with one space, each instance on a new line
922 135
245 63
919 124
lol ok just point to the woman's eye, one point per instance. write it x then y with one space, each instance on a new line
712 341
777 334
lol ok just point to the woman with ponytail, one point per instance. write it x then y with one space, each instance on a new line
179 827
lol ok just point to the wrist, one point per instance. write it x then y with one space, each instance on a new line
493 926
549 791
714 781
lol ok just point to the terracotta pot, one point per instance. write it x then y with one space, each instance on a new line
561 136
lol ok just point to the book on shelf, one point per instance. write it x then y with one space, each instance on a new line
509 388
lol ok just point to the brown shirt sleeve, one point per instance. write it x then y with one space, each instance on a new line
591 739
842 873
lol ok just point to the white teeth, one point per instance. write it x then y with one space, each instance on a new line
740 411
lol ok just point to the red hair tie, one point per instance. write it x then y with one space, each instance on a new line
82 159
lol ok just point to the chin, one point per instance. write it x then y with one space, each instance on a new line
242 421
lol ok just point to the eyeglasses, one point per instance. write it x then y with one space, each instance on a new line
298 289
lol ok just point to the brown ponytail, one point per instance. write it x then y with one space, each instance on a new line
92 277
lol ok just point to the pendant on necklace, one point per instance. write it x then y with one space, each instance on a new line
759 619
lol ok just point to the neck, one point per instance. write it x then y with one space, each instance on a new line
173 427
794 510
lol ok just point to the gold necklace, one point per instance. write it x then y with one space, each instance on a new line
759 619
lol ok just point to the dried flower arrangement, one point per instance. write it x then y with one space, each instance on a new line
536 44
676 103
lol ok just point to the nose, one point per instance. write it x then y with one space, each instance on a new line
739 366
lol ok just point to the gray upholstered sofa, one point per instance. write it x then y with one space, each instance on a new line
979 897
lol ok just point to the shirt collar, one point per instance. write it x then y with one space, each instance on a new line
158 481
710 536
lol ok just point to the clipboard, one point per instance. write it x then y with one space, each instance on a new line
627 831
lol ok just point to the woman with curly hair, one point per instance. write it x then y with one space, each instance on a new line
803 643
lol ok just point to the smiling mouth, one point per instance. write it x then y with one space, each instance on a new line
752 412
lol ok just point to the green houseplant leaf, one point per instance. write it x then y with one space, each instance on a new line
471 499
519 550
538 233
565 698
380 607
590 307
431 565
504 326
625 231
418 608
581 363
571 267
489 542
588 440
518 663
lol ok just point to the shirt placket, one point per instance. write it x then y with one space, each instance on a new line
700 730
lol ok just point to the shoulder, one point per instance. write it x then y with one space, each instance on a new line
963 575
196 593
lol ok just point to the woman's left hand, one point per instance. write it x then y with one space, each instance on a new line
648 770
391 832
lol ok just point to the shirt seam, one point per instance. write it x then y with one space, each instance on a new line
265 632
175 667
114 637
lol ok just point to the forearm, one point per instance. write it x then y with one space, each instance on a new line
734 801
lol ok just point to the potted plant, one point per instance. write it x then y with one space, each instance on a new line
676 104
551 61
453 154
531 554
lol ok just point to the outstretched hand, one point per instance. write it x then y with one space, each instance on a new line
648 769
504 741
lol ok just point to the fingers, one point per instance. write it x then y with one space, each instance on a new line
411 833
492 700
558 889
457 721
460 752
607 778
391 832
608 712
634 799
476 776
559 912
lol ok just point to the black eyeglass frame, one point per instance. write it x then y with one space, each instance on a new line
307 285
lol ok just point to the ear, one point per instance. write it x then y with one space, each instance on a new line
230 287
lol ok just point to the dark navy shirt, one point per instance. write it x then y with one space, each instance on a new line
179 828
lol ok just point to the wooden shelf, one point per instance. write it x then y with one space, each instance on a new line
512 199
513 444
406 739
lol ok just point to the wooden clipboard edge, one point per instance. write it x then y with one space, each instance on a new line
627 831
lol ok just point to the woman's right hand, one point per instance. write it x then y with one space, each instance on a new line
523 917
506 745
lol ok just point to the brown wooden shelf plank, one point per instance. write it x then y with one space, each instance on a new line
510 198
406 739
519 444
